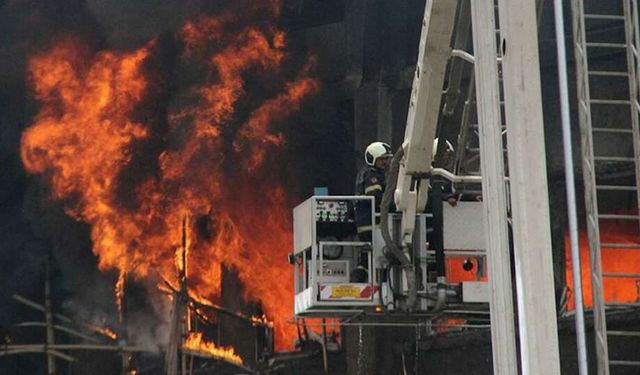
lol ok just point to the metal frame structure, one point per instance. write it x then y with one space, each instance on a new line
592 161
53 350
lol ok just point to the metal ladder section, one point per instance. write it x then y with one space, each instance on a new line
468 152
467 160
610 174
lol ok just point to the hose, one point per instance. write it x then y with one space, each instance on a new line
387 198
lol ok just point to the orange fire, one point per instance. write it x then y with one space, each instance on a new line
102 330
196 343
613 260
261 321
449 325
215 160
109 333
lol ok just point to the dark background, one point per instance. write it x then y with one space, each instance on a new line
366 52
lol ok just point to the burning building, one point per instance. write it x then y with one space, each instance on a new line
171 153
152 152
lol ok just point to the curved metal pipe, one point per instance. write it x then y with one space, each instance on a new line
441 301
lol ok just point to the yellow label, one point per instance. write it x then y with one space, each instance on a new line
344 291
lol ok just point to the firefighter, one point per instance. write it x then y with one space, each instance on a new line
370 181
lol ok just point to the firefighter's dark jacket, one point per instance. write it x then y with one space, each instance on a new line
370 181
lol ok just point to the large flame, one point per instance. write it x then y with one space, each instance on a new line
195 342
619 289
216 163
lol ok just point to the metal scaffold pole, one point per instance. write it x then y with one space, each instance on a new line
570 188
50 338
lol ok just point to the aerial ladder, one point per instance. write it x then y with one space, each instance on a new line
611 174
413 159
530 216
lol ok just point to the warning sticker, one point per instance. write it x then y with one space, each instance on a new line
351 291
345 291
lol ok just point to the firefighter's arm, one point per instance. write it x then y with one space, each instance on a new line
373 187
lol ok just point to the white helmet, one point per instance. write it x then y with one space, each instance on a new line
376 150
434 150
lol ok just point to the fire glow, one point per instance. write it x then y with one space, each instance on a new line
619 289
133 176
196 343
102 330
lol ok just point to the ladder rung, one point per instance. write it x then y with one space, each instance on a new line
477 149
613 158
609 101
621 304
476 126
624 333
623 363
621 275
618 216
612 245
615 187
606 45
603 17
608 73
612 130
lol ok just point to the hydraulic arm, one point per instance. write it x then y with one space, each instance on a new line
413 160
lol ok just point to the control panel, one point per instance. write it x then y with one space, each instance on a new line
332 210
335 271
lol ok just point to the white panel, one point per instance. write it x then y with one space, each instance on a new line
303 226
475 291
303 300
463 226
